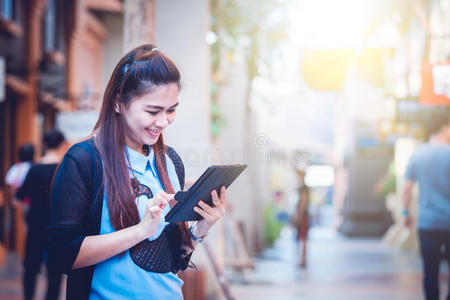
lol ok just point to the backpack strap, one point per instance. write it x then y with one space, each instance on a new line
90 147
96 177
178 163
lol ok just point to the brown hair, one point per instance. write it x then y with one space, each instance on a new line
138 72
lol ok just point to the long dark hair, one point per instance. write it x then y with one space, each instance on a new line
138 72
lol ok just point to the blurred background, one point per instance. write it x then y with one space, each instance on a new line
341 89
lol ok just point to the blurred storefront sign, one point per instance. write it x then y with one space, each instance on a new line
391 130
410 110
372 146
76 125
435 83
409 120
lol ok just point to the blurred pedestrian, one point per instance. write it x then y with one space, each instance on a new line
301 217
37 186
430 167
111 192
18 171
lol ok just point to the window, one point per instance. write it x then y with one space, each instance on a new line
53 27
50 26
6 9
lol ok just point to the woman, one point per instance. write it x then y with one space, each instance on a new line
111 193
301 217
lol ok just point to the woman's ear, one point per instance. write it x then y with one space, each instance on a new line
117 105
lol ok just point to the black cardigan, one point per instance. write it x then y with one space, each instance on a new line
76 207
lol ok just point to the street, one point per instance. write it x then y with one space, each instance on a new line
338 268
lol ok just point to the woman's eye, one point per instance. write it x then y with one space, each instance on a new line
153 113
171 110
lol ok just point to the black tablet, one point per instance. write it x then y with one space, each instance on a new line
213 178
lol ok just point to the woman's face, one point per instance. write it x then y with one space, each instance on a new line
148 115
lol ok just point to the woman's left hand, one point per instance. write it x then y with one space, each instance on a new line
210 214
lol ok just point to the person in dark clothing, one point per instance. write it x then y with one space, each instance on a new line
14 179
36 186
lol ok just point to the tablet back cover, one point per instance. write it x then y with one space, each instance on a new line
212 179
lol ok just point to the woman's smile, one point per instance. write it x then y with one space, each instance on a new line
153 132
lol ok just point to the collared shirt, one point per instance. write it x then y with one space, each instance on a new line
430 167
118 277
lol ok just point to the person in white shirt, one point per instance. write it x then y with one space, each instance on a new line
18 171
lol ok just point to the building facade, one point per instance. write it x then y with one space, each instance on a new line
52 52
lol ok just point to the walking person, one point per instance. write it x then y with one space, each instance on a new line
112 191
429 166
14 179
301 217
18 171
36 187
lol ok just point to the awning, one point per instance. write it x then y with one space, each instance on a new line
435 83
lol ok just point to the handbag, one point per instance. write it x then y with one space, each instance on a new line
154 256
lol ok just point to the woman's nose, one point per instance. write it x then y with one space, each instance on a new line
162 121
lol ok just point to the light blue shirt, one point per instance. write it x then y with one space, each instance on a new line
118 277
430 167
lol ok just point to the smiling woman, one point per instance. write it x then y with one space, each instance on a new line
111 192
148 115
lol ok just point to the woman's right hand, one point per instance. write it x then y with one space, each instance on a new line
150 220
93 251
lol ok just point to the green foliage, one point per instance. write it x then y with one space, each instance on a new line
251 24
272 226
248 24
389 181
217 121
386 184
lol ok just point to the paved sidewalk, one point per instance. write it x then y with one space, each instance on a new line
11 280
338 268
